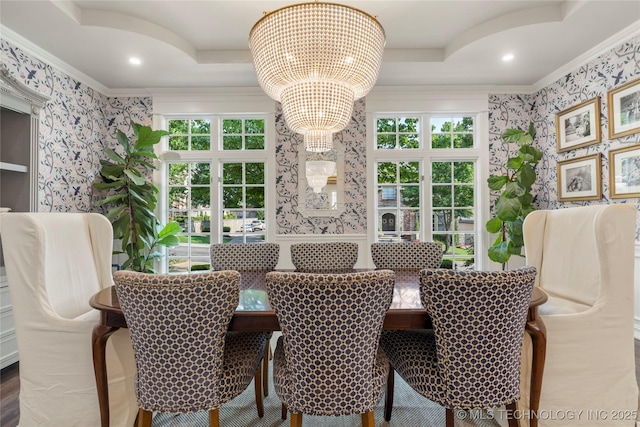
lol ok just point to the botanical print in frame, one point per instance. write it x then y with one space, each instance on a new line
578 126
624 109
579 179
624 172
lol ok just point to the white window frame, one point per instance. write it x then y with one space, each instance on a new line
424 104
216 156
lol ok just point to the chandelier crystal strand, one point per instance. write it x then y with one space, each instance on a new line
318 172
316 59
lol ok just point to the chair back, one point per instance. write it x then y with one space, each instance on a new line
55 262
178 325
406 255
244 256
331 325
582 253
338 257
251 260
478 320
407 259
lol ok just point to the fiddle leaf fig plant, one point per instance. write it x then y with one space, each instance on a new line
515 200
132 199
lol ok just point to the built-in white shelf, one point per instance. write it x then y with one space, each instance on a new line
13 167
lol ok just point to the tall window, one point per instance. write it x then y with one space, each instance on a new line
426 180
398 201
215 185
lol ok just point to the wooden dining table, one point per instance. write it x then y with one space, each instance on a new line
254 314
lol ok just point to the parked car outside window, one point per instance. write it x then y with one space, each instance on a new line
247 227
258 225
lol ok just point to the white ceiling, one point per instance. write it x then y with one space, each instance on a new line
185 43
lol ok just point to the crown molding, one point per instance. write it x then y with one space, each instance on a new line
44 56
593 53
622 36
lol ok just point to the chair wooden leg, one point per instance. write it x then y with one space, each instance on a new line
388 402
214 418
296 420
284 411
257 383
450 420
511 415
144 418
265 368
367 419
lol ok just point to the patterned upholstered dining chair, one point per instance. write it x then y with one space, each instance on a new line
186 359
252 261
406 259
341 370
471 358
324 257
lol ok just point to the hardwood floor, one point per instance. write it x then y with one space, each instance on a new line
10 388
9 391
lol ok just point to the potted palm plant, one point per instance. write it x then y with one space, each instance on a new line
131 197
515 201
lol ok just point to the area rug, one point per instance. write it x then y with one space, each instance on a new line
409 410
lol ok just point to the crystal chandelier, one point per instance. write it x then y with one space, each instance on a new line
318 172
316 59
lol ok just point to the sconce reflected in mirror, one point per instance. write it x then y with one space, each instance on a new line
321 183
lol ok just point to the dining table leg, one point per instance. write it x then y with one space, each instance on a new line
536 329
99 337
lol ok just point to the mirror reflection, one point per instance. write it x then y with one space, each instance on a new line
321 182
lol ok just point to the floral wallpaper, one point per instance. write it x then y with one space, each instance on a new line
354 218
76 124
610 70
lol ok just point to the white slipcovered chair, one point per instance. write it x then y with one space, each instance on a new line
584 257
55 262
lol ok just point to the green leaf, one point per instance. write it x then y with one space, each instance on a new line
499 253
169 241
496 182
526 200
515 249
115 156
107 185
514 189
508 208
494 225
134 194
517 243
135 176
115 212
518 136
121 229
532 130
526 175
530 154
515 227
123 140
170 229
112 198
148 137
514 163
147 164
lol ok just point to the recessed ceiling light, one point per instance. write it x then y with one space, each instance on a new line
135 61
508 57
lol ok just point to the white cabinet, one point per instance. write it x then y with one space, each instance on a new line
19 123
